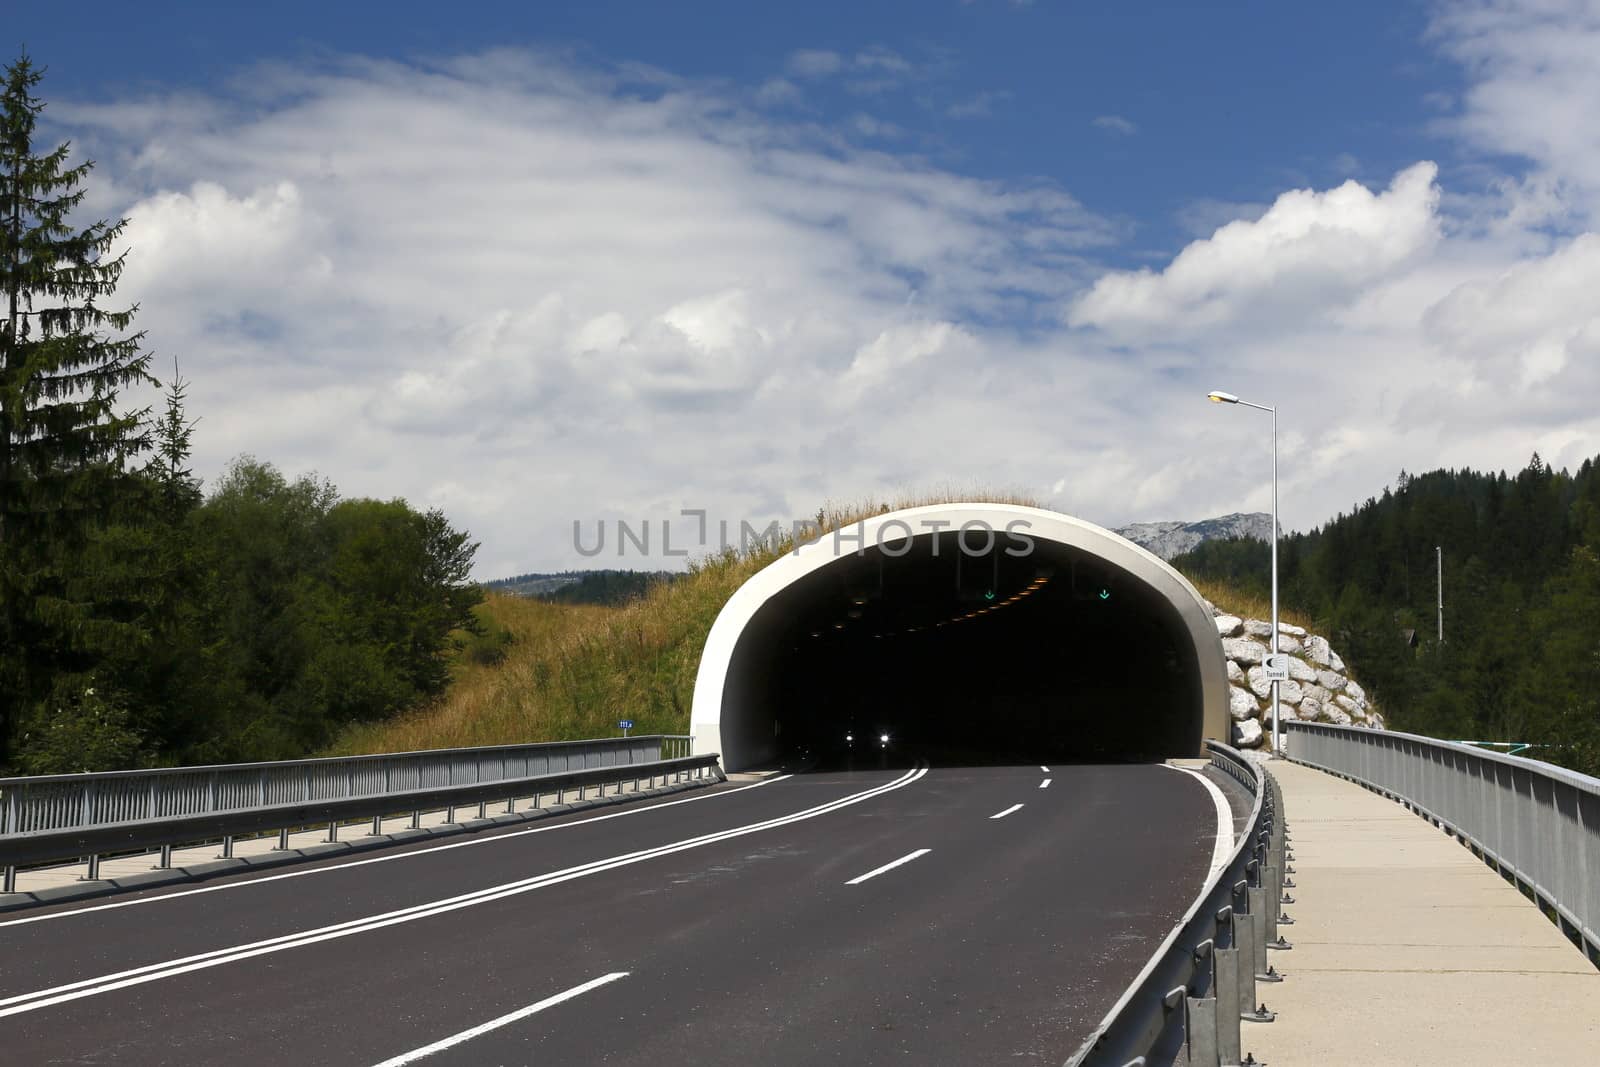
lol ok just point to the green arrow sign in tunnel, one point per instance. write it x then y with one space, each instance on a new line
964 631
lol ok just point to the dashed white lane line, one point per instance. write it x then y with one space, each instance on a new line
907 858
505 1020
1222 845
1008 811
1046 783
1043 768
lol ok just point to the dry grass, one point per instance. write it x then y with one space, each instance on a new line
1247 605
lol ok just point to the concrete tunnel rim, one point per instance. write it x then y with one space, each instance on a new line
797 564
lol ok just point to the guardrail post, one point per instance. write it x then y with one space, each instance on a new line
165 862
93 873
377 826
1244 940
283 840
1264 972
1225 969
333 830
227 847
1200 1031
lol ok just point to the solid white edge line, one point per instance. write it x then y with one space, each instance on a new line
1222 845
1046 783
891 865
43 998
505 1020
427 850
1008 811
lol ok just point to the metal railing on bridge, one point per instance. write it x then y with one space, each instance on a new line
1536 823
65 816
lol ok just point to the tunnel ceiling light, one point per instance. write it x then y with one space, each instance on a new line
853 614
838 626
1217 396
858 601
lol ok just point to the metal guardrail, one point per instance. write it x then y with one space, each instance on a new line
1535 823
1189 1002
63 817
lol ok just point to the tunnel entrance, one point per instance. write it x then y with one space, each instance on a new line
996 633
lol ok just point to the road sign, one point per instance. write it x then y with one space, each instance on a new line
1275 667
625 724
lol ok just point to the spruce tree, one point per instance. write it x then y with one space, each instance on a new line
64 445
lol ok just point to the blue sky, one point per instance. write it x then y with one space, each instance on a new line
1228 103
535 263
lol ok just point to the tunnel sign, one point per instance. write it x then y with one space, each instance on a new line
1275 667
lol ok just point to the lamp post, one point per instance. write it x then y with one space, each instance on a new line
1218 397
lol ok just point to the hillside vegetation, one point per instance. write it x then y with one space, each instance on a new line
571 671
1521 656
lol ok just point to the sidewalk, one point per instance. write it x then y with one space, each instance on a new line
1408 949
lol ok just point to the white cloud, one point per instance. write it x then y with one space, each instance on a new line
1533 83
1309 254
1116 124
815 63
530 291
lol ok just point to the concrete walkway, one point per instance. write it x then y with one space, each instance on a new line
1408 949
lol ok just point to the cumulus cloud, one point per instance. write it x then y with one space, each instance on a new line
528 290
568 286
1311 252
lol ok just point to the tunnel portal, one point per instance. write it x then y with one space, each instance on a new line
965 632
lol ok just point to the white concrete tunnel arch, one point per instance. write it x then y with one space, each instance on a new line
733 711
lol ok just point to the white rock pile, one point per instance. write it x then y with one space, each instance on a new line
1319 688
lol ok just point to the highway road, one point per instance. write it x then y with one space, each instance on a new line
927 915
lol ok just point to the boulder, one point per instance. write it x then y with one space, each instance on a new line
1335 715
1241 705
1317 693
1356 692
1288 643
1235 675
1317 650
1257 628
1335 662
1330 680
1259 685
1228 625
1300 670
1291 629
1247 734
1309 709
1243 650
1290 692
1346 703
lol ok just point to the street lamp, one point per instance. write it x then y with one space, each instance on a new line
1219 397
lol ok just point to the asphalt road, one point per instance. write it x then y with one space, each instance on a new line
765 924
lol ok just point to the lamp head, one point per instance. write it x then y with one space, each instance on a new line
1219 397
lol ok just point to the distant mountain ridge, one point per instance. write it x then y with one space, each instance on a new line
1169 539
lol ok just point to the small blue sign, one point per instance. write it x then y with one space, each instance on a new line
625 724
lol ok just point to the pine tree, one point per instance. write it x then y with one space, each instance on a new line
64 446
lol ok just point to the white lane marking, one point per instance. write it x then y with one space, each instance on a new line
907 858
505 1020
1046 783
87 987
1222 847
1008 811
1043 768
427 851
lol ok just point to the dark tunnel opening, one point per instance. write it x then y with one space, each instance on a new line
1048 654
